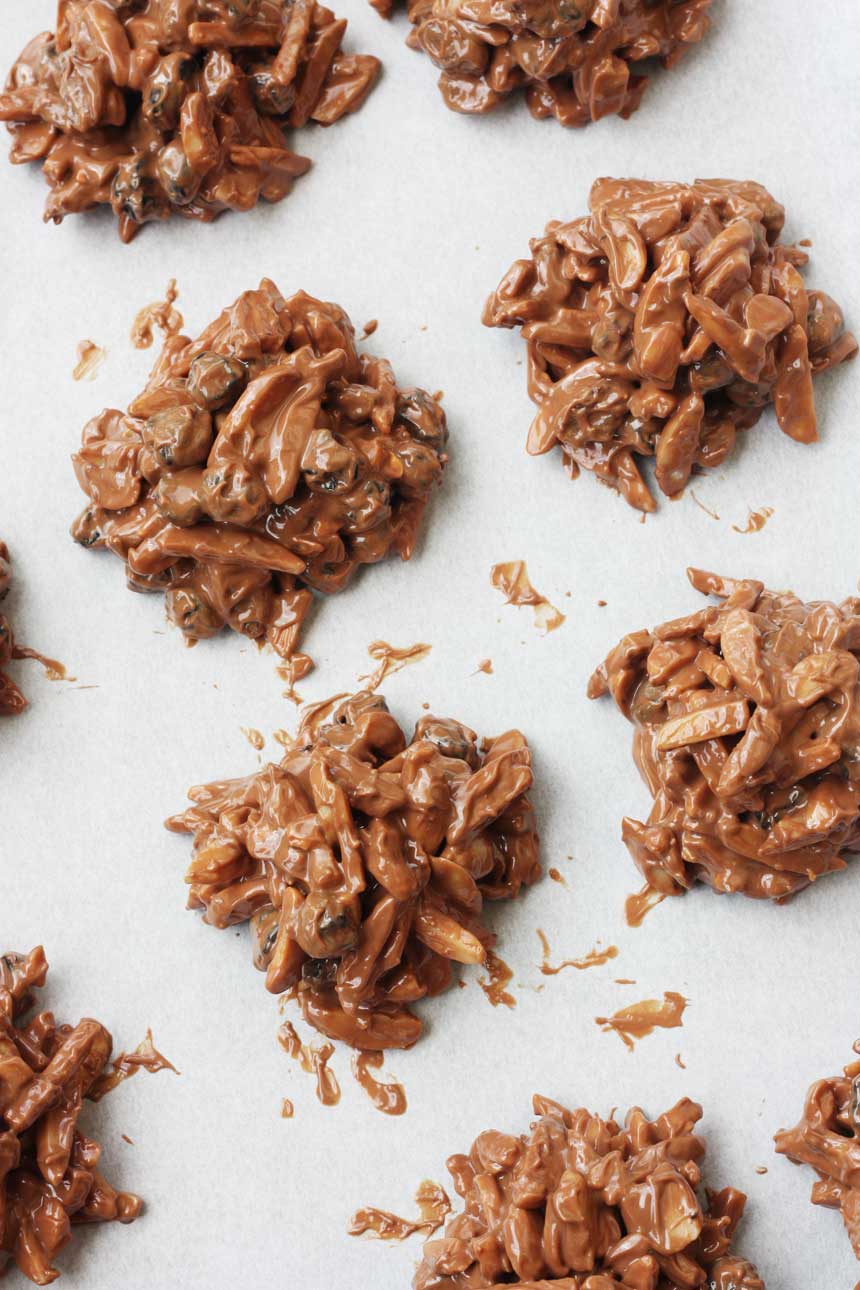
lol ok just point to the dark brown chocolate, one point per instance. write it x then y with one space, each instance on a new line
265 460
363 860
160 107
49 1182
662 325
572 60
747 733
828 1140
582 1203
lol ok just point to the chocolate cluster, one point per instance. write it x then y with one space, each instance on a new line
362 861
265 460
828 1140
583 1203
661 325
747 733
49 1181
12 700
573 60
159 107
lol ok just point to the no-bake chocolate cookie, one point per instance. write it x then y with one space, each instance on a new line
12 700
573 61
265 460
582 1203
661 325
828 1140
363 860
49 1181
159 107
747 733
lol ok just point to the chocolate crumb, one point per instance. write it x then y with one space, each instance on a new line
512 579
637 1020
89 359
756 521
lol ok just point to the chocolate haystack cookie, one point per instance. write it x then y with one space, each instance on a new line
265 460
664 323
747 733
828 1140
159 107
49 1182
12 700
363 860
572 58
582 1203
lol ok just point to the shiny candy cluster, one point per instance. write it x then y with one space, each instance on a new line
662 324
573 59
747 733
582 1203
828 1140
159 107
264 460
362 861
49 1181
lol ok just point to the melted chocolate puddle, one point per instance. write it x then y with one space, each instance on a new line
391 659
493 984
145 1057
640 1019
755 521
161 314
313 1060
54 670
433 1207
512 579
594 958
390 1099
637 906
292 670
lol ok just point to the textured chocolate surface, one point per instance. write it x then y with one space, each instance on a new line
583 1203
576 62
265 460
747 733
661 325
49 1181
159 107
363 861
827 1138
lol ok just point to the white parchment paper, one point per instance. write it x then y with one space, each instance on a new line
410 216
